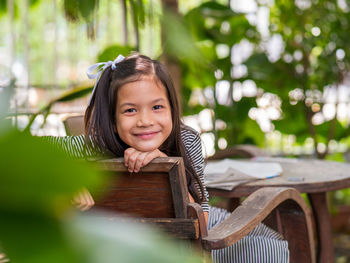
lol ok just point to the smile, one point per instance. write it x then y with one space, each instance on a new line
146 135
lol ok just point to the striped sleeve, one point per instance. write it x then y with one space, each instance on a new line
74 146
192 143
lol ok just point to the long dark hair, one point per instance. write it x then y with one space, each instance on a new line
100 115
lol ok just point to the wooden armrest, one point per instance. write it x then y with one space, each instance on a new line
253 211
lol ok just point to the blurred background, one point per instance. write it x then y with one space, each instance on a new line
274 74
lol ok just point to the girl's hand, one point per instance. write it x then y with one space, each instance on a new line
134 159
83 200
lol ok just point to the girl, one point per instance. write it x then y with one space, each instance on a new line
134 113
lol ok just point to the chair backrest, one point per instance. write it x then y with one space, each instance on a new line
157 194
158 190
74 125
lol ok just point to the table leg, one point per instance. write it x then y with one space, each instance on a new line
325 251
233 203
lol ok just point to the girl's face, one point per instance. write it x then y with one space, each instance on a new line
143 114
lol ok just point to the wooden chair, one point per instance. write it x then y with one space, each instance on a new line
158 195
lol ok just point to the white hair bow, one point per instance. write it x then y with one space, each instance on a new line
97 75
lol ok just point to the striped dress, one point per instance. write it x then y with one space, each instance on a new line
261 245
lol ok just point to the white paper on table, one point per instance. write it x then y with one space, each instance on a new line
259 170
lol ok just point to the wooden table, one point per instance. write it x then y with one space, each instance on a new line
313 177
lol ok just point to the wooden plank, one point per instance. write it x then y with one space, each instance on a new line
157 165
141 195
195 211
177 178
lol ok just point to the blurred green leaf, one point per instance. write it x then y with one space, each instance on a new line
118 240
30 238
178 42
77 9
111 52
30 164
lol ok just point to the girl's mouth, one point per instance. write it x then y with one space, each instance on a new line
146 135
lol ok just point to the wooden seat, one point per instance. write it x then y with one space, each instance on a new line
158 195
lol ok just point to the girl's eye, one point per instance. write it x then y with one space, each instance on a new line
158 107
130 110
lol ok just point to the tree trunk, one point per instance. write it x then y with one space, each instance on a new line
171 64
124 22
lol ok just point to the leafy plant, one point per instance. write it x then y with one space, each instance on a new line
313 59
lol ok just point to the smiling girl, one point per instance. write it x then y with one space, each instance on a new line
134 113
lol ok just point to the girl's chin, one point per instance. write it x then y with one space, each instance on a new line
146 148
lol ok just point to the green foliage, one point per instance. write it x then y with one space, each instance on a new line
37 184
178 41
209 25
19 173
110 53
4 8
80 9
138 11
120 241
308 62
293 121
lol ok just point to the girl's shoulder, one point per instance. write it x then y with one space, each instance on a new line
188 134
191 140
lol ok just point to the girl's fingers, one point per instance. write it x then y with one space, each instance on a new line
139 162
132 161
127 153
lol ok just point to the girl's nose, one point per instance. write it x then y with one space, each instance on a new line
145 119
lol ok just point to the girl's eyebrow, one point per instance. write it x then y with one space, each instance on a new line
158 100
128 104
133 104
